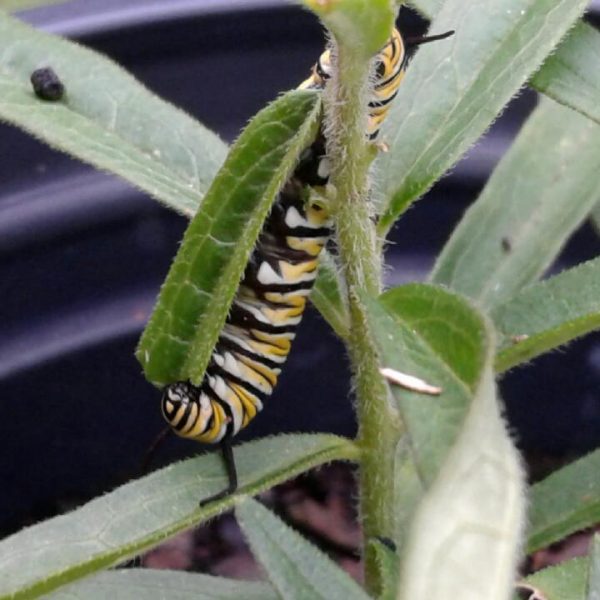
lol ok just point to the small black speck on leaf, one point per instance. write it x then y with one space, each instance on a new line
47 85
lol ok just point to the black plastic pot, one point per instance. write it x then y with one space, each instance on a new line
82 256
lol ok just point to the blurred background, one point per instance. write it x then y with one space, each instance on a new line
82 255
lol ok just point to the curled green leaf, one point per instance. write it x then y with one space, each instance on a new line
196 296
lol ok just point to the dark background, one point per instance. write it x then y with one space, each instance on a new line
82 255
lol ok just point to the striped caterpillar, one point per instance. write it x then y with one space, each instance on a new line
268 306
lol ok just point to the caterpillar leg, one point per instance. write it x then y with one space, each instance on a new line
227 453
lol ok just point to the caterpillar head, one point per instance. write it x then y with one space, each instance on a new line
175 401
191 414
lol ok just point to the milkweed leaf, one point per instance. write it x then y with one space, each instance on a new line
150 584
570 75
549 313
472 508
143 513
565 581
198 291
564 502
106 118
455 88
296 568
543 188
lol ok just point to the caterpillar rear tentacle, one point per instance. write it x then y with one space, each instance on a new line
269 304
227 454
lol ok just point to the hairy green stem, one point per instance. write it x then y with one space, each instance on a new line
350 156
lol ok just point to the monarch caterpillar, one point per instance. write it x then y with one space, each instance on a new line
46 84
268 306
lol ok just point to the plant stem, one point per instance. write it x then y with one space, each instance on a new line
350 156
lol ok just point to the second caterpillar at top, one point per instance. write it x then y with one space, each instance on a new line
390 64
270 301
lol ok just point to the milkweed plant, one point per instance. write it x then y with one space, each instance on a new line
444 505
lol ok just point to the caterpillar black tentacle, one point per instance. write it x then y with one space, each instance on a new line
46 84
227 453
410 42
269 304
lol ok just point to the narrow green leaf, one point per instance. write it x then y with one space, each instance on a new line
593 582
473 511
362 25
387 561
141 514
538 195
570 75
133 584
106 117
296 568
455 88
566 581
565 502
547 314
196 296
327 296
